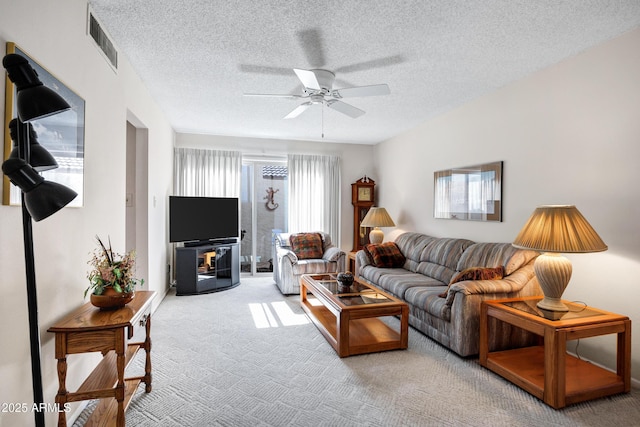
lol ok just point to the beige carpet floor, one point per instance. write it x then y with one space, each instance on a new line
250 357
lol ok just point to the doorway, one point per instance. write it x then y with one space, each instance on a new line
264 197
137 190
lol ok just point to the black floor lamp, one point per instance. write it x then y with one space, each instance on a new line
40 198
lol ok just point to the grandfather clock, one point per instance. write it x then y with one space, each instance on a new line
362 197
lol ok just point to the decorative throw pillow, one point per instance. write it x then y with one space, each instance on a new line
385 255
306 245
476 273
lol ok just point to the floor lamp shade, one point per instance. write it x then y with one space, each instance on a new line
554 229
42 198
39 158
376 218
33 99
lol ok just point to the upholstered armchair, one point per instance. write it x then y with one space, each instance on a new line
304 253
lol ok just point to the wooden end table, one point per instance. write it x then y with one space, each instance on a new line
351 257
89 329
349 320
547 371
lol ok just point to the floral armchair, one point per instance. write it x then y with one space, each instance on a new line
304 253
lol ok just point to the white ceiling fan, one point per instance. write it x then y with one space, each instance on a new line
318 89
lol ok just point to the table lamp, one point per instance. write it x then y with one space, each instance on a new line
554 229
376 218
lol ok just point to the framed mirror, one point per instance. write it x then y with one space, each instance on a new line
469 193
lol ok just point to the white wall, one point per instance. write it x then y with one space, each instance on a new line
54 34
356 161
569 134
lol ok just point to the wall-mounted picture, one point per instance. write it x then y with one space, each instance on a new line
469 193
61 134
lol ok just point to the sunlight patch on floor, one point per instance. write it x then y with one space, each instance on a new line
264 315
287 316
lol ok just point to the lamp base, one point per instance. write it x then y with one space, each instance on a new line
552 304
552 315
376 235
553 272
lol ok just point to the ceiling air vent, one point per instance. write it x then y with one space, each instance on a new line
102 41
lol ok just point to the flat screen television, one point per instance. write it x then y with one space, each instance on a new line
199 220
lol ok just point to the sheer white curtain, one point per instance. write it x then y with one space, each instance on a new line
442 196
314 194
212 173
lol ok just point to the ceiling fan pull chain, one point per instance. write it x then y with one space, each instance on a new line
322 116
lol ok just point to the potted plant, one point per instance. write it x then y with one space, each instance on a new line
111 280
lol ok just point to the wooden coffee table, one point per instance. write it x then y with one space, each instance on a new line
349 320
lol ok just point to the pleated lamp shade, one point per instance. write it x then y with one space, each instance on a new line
559 228
376 218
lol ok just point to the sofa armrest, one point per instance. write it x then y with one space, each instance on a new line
362 260
286 254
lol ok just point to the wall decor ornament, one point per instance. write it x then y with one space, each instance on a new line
271 204
469 193
61 134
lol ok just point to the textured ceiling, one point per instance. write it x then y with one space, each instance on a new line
198 57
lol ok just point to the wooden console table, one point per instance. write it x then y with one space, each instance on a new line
88 329
547 371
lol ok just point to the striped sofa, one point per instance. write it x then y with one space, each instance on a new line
450 314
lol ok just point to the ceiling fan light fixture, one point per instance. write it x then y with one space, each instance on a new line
318 87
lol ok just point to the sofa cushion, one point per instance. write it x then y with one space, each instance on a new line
306 245
495 255
282 240
440 258
385 255
411 245
396 281
427 299
476 273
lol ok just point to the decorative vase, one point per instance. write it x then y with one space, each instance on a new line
345 280
111 299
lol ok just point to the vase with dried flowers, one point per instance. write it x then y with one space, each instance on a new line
111 280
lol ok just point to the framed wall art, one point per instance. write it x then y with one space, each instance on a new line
469 193
61 134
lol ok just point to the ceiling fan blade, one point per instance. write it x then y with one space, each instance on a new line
270 95
265 69
311 42
367 65
373 90
308 78
298 110
345 108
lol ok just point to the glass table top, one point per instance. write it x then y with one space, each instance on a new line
576 311
356 294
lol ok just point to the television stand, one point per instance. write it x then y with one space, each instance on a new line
207 268
195 244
